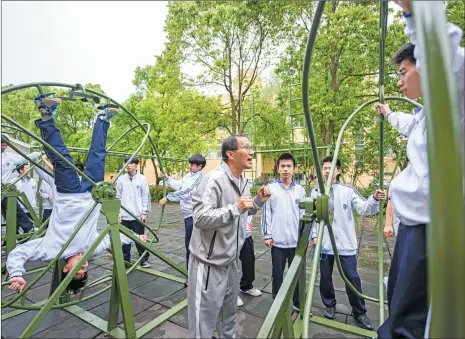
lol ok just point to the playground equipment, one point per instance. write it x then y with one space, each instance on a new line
104 193
446 252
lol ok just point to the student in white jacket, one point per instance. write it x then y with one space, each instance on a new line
72 201
28 186
342 200
280 222
184 192
407 290
9 162
133 190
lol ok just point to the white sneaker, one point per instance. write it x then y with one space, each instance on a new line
253 292
145 264
239 302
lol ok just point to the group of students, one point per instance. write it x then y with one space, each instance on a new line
218 207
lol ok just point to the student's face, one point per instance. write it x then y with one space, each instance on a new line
242 156
327 169
72 261
194 168
286 169
4 146
131 167
25 169
409 82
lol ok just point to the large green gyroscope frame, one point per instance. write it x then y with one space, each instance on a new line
446 233
104 193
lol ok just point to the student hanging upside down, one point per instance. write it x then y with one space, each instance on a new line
72 201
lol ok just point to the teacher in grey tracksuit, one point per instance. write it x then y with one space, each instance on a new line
221 206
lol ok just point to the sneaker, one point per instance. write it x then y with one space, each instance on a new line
296 308
363 321
239 302
145 264
253 292
107 112
330 312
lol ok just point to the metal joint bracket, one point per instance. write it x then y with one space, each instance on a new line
103 190
308 204
322 208
9 190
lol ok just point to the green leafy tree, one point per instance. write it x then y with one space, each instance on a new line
232 42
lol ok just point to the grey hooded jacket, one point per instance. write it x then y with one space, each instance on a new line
219 225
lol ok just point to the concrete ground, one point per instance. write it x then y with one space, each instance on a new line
151 295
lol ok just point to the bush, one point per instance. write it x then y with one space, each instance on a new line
156 192
253 190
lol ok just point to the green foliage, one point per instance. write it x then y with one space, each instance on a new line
156 192
230 42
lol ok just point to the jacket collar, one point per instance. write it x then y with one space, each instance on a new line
280 182
236 181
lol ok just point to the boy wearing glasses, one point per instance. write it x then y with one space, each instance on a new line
407 289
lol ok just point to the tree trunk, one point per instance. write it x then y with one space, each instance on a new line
233 115
156 171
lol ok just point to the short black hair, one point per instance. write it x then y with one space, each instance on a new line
198 159
230 144
75 285
79 166
329 158
405 52
134 160
20 167
285 156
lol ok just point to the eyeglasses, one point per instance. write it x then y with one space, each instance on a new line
249 149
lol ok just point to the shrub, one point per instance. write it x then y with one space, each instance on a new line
156 192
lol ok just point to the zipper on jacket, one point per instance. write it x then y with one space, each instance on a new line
212 244
208 276
237 237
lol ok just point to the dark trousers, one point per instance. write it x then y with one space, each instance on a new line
247 258
66 178
188 225
47 213
407 289
279 256
349 267
21 218
138 228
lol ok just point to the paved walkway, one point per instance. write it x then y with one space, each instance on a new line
151 295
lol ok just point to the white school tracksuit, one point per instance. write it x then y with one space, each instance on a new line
281 214
45 192
184 191
11 160
136 197
410 189
69 209
28 186
345 199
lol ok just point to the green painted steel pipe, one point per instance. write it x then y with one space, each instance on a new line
53 261
60 289
109 100
383 17
446 231
305 89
